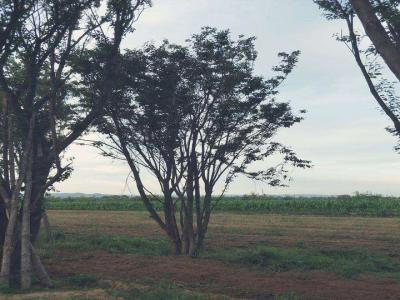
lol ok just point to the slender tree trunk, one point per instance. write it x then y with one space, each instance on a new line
188 221
39 269
368 79
9 243
5 120
205 221
197 199
184 227
47 227
3 225
178 241
26 263
11 236
190 248
41 171
170 220
378 35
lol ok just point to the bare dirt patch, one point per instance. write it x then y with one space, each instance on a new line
216 277
378 235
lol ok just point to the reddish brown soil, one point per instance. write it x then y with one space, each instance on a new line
379 235
235 230
216 277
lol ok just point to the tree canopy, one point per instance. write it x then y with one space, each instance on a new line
194 116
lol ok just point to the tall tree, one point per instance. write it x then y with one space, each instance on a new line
42 114
381 22
195 116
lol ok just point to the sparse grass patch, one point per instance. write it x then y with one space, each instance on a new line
113 244
272 231
82 298
162 291
5 289
9 291
348 263
288 296
82 281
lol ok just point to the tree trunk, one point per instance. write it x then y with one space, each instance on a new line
190 246
39 269
177 246
188 230
378 35
197 199
373 89
9 243
11 236
3 224
170 220
41 171
203 219
47 227
15 271
26 263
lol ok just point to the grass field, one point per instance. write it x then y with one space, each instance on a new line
123 255
361 205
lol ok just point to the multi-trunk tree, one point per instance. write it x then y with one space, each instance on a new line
42 110
374 48
194 117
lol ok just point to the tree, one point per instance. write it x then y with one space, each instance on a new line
384 31
42 114
381 22
194 116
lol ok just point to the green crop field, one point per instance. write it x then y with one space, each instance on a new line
360 205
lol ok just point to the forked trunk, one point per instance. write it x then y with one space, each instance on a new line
12 237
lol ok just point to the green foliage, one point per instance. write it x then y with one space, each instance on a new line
348 263
360 205
333 206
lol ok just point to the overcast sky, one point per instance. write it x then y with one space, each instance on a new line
343 133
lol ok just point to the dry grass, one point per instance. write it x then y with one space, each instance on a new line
98 294
226 229
236 232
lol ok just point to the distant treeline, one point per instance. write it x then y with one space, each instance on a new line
359 205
